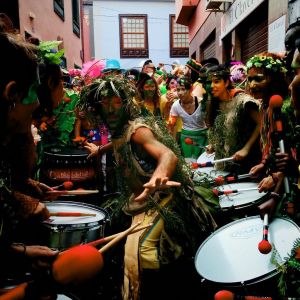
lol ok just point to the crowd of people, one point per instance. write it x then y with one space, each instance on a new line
143 129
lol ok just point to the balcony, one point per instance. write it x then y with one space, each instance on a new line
184 10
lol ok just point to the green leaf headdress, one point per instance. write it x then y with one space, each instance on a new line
46 53
92 95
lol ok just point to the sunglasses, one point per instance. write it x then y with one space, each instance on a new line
257 78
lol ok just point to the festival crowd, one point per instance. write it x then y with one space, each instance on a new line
177 150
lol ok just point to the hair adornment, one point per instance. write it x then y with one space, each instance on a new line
267 62
48 54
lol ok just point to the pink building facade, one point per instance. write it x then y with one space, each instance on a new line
47 21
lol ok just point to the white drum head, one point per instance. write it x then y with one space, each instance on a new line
210 171
231 256
242 198
57 206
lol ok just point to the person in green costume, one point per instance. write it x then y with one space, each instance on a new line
155 189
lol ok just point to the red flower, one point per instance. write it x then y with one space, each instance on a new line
91 134
188 141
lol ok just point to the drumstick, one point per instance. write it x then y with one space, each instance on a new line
227 295
70 214
220 180
111 237
119 237
73 192
227 192
264 246
211 163
67 185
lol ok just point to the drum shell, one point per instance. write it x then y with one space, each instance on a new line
63 236
67 164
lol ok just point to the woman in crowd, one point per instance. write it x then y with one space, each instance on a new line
266 78
233 117
188 108
150 95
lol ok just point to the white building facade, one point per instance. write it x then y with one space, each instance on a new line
134 31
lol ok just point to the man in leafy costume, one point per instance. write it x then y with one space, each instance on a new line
155 188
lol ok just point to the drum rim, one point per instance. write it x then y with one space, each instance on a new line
247 282
78 203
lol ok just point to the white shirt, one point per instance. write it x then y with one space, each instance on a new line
195 121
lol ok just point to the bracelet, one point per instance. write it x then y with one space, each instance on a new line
274 195
20 244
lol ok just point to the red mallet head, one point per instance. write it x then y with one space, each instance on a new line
264 247
77 265
194 165
188 141
68 185
276 101
224 295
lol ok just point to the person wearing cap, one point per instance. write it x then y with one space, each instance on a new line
112 68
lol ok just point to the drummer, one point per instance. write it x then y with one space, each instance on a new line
235 123
19 195
263 83
148 161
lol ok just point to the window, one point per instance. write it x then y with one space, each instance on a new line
133 36
179 39
58 6
75 17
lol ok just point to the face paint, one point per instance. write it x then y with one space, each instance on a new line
32 94
149 89
257 83
113 112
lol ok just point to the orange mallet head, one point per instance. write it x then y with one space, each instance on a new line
224 295
77 265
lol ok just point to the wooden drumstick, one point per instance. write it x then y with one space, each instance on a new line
119 237
264 246
111 237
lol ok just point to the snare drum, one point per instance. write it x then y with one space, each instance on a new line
229 258
243 199
64 232
67 164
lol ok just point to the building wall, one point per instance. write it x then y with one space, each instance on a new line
87 31
203 23
106 30
39 19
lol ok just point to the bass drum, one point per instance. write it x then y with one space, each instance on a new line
67 164
230 259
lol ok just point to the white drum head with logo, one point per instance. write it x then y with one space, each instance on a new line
230 255
242 198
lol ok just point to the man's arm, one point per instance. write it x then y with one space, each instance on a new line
166 162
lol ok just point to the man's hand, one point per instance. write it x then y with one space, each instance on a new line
154 185
268 207
256 170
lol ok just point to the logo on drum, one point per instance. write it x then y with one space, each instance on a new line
246 232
